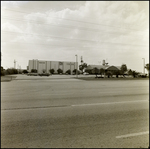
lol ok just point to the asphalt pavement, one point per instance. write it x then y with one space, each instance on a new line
68 112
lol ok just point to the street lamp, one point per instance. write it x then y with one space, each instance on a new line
76 65
144 65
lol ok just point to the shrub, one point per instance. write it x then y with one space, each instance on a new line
52 71
68 71
11 71
25 71
59 71
34 70
74 71
44 71
88 71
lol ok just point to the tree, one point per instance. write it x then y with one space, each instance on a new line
95 71
52 71
59 71
75 70
123 69
102 71
25 71
68 71
116 72
133 73
130 72
82 67
147 67
2 71
11 71
88 71
44 71
109 73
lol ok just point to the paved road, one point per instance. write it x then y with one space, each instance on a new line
62 113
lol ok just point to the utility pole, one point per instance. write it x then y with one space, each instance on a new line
81 60
76 65
1 56
144 65
18 68
15 64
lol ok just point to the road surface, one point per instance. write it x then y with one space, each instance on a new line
66 113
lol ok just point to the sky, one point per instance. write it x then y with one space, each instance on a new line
114 31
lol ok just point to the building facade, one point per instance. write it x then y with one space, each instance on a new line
41 65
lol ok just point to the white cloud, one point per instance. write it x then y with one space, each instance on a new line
110 22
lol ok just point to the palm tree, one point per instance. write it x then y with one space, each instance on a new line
82 66
147 67
123 69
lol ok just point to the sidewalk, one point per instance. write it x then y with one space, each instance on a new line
25 77
8 78
55 77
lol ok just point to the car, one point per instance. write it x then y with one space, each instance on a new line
32 74
44 74
86 73
142 75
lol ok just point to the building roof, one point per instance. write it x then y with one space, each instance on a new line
112 68
89 67
106 67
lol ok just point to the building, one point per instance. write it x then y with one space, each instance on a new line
105 67
41 65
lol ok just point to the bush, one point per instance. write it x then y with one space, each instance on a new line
44 74
52 71
74 71
25 71
44 70
59 71
33 70
2 71
68 71
88 71
10 71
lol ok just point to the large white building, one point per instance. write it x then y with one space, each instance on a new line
41 65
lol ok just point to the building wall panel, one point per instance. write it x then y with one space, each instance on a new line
54 65
48 66
40 65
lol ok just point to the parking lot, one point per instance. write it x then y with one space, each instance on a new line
63 111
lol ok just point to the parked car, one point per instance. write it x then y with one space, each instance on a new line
44 74
142 75
32 74
86 73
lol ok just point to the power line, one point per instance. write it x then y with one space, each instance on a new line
72 38
67 26
78 21
75 46
48 36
